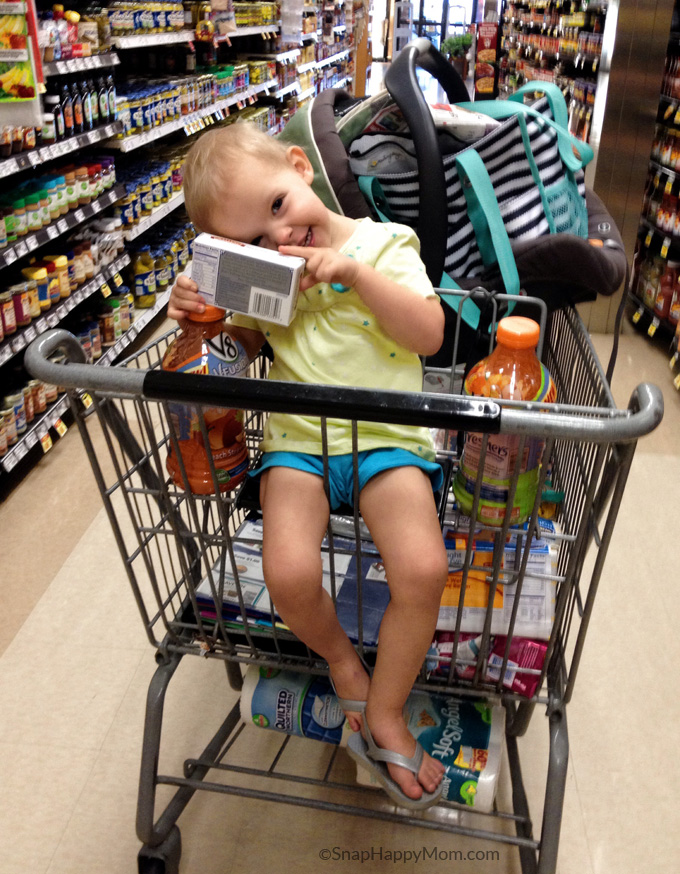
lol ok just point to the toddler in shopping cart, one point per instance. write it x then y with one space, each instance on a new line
367 330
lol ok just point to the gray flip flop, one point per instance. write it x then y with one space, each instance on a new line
366 753
348 703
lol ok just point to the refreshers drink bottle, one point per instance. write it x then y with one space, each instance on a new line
511 372
203 348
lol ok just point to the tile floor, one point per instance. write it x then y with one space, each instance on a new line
75 665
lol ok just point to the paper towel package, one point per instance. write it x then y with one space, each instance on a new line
247 279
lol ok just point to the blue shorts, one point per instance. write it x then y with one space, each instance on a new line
341 473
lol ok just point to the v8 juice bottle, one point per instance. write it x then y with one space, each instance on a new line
203 348
511 372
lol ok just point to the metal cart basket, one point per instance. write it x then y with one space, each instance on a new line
170 539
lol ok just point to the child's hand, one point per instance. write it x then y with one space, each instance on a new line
324 265
184 299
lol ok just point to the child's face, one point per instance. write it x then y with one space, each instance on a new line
273 205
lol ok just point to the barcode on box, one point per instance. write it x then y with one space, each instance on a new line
267 306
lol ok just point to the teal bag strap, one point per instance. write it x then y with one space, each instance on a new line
372 190
502 109
485 215
555 98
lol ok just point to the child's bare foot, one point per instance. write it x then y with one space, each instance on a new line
390 733
351 682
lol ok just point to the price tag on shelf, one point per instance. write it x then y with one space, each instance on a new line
79 215
62 226
20 451
117 280
665 247
32 243
105 289
87 400
61 311
52 232
34 158
41 326
8 167
21 249
651 330
78 296
10 256
18 343
31 439
52 320
5 353
649 238
637 315
31 333
70 303
9 462
60 428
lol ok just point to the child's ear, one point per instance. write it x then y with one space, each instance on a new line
301 163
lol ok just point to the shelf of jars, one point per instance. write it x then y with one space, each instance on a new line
191 123
25 160
15 343
131 233
48 426
58 227
81 65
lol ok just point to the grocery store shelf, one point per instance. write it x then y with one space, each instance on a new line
147 40
294 86
310 92
51 419
304 68
11 346
32 241
186 122
159 213
79 65
24 160
248 31
141 320
333 58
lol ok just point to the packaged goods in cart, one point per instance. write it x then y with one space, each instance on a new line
466 736
511 372
203 347
247 279
522 673
299 704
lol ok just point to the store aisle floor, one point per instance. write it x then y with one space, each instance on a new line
75 666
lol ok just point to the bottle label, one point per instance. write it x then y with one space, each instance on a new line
147 201
137 118
147 115
104 106
59 122
34 220
145 283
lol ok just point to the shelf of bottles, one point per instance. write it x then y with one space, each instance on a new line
554 42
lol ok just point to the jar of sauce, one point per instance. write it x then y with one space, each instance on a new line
9 322
22 309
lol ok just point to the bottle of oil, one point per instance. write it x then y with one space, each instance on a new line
203 347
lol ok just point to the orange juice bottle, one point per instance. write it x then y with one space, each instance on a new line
203 347
511 372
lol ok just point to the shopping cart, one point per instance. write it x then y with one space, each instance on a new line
170 539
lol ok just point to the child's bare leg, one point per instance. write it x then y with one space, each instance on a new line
398 507
295 517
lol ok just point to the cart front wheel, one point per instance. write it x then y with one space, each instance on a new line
163 859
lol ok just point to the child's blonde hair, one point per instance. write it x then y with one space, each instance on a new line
213 161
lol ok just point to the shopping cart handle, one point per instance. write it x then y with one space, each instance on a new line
77 374
337 402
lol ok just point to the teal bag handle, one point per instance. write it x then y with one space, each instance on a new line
372 190
555 98
501 109
485 215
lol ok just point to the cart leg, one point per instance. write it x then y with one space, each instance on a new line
151 743
234 675
519 718
554 793
520 806
163 859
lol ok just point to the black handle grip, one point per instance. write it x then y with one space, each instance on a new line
402 84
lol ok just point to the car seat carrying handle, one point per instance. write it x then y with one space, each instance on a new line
403 86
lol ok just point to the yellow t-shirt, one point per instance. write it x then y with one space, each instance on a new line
334 339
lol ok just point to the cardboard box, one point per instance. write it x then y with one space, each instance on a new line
246 279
